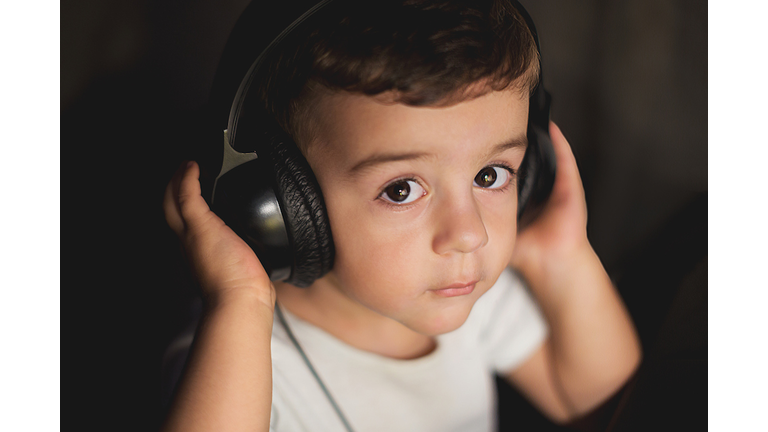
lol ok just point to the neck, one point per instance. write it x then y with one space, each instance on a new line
328 308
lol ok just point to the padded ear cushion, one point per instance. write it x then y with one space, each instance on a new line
306 218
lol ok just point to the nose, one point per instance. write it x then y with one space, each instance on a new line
459 226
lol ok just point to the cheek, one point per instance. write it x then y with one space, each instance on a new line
381 267
500 221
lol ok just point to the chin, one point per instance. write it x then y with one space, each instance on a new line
450 316
441 322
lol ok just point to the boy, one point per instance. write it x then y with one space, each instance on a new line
413 119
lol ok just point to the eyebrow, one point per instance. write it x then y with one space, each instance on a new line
520 141
377 159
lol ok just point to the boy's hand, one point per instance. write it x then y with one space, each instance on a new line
224 265
592 347
560 231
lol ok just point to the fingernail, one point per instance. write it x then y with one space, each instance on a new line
189 164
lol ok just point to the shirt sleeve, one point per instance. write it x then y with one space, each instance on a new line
510 324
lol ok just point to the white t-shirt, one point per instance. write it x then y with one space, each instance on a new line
451 389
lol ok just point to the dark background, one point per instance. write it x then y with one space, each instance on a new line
629 81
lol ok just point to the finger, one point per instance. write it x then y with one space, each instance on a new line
192 206
170 203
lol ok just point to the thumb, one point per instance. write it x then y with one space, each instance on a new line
171 207
567 175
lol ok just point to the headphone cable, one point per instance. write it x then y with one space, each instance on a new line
311 369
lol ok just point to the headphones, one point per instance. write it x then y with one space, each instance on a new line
269 195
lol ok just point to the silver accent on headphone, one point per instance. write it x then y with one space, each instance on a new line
232 159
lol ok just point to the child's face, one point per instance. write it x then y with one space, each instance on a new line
419 199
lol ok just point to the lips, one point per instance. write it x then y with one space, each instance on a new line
457 289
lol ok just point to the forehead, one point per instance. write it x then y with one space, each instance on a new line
351 127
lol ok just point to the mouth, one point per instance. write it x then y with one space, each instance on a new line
457 289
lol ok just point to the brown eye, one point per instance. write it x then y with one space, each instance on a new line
398 192
403 192
492 177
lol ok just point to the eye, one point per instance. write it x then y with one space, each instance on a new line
403 192
492 177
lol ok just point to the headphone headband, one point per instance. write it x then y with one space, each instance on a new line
237 103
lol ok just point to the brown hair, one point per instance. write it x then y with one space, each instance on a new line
424 53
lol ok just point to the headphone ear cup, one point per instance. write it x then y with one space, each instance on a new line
536 175
526 175
306 218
